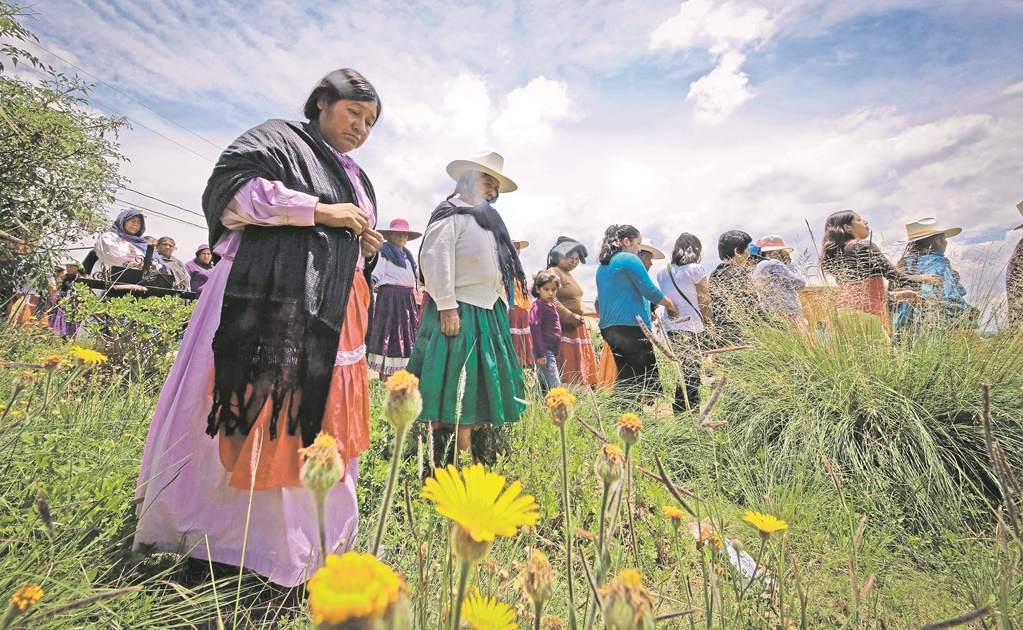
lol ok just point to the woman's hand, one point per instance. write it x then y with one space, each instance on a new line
346 215
670 307
931 278
578 319
449 322
370 240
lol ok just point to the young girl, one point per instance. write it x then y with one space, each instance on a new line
545 328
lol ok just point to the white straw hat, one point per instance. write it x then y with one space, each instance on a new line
648 246
923 228
487 162
1019 206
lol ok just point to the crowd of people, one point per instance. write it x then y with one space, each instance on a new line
309 296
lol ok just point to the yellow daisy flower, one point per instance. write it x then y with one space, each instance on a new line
486 613
765 523
26 596
84 356
477 504
676 515
51 362
355 585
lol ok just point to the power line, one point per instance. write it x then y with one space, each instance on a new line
160 214
173 205
93 99
128 96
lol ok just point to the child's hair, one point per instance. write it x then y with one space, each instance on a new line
612 243
542 278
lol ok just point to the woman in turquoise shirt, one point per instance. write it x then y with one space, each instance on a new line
625 290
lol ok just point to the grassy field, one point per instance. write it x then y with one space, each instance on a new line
874 456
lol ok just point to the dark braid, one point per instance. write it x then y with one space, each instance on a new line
612 243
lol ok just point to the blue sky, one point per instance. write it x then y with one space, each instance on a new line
700 116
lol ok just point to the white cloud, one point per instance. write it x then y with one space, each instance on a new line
717 27
531 112
717 95
468 101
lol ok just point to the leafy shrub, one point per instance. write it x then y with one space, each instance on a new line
138 334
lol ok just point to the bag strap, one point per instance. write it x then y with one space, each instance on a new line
684 296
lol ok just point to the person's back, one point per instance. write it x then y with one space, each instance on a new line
618 287
734 299
778 287
671 280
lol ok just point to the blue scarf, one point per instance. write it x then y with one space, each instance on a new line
398 255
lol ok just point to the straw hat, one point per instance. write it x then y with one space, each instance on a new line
648 246
923 228
772 243
400 226
1019 206
521 244
487 162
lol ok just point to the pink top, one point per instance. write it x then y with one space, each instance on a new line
263 202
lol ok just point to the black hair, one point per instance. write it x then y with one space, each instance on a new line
835 234
688 250
542 278
732 241
341 85
612 242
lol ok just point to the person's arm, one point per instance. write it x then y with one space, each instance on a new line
269 203
633 268
536 330
113 251
703 301
437 261
789 277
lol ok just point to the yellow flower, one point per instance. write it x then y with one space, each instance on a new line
537 577
51 362
84 356
627 603
479 507
629 428
765 523
676 515
352 586
322 468
610 464
404 402
486 613
26 596
708 535
560 405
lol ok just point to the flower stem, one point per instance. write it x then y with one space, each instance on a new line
456 606
572 624
385 507
756 568
537 610
321 522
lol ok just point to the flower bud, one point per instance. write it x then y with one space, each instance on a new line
627 604
403 403
610 464
467 548
323 467
560 405
51 362
537 578
629 428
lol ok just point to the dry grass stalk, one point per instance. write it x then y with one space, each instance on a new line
859 532
670 486
596 412
702 420
653 475
708 353
672 615
657 342
82 603
834 479
961 620
602 438
589 579
43 507
866 587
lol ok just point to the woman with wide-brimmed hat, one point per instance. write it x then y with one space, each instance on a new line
273 359
1014 280
464 356
518 318
944 302
395 321
577 361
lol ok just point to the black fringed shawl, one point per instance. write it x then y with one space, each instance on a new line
288 288
489 219
400 256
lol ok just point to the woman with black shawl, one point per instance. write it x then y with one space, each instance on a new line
274 353
464 356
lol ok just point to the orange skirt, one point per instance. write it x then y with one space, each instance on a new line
577 361
608 370
522 338
255 461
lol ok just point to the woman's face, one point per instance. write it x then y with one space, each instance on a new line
133 225
205 256
398 238
485 188
345 125
166 248
569 263
858 228
940 243
632 245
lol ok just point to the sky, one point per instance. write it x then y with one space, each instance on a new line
700 117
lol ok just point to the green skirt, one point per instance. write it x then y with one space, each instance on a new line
493 392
